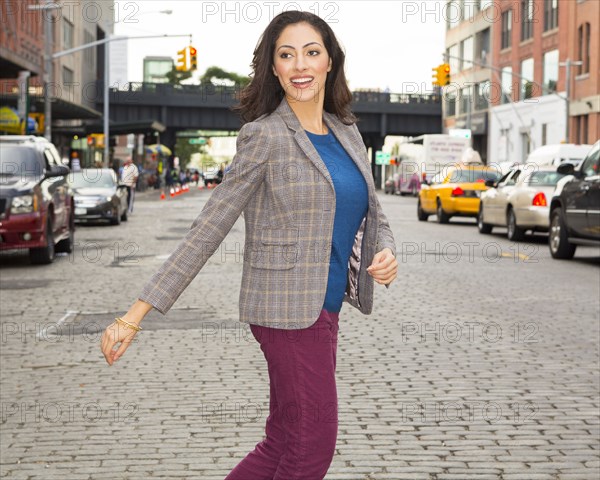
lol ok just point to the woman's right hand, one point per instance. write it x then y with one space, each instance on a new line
116 333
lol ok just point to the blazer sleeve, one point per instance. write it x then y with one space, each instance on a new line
223 208
385 237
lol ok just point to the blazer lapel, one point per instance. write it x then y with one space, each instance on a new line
338 129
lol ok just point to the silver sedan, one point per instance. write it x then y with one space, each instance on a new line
519 201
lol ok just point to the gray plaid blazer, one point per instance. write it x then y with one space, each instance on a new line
285 192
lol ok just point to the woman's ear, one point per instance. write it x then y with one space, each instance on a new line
274 71
330 65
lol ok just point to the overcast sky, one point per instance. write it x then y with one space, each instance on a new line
387 43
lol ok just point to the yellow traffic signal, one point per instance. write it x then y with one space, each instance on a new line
436 76
193 58
182 61
441 75
444 76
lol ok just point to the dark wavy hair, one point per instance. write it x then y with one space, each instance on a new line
264 92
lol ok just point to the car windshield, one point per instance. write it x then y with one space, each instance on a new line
95 179
468 175
544 178
20 160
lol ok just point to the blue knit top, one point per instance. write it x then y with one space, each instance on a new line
351 204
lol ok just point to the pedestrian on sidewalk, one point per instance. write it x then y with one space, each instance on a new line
313 240
129 177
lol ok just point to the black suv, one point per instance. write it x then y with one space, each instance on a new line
36 205
575 207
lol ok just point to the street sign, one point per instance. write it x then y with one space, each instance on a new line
459 132
382 158
197 141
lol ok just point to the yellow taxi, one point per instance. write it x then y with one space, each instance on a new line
455 190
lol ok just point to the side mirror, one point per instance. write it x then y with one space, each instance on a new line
490 183
425 182
58 171
566 169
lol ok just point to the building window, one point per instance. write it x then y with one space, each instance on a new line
454 60
506 40
470 8
465 100
466 53
550 71
526 79
482 46
68 30
544 134
482 95
550 14
583 47
483 4
450 104
582 129
454 13
525 146
68 77
506 85
526 19
88 53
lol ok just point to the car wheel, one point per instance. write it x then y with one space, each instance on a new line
442 217
421 213
67 245
44 255
513 232
483 227
558 240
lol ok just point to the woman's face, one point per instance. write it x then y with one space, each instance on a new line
301 62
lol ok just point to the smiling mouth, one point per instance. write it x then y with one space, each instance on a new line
302 80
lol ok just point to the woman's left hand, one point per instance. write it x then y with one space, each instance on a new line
384 267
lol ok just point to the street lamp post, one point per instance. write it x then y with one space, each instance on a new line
568 63
48 65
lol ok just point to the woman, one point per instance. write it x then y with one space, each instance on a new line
315 237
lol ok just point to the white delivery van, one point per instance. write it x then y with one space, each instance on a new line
424 156
558 153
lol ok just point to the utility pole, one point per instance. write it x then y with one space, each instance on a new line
568 65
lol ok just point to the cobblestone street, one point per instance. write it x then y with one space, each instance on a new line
481 361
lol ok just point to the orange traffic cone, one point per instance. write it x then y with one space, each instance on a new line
172 192
200 186
162 195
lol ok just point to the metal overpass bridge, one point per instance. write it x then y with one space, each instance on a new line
198 107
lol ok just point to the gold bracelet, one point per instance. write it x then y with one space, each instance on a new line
127 324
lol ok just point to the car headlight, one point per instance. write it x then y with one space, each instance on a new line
108 199
23 204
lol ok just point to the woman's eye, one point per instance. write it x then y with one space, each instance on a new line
315 52
283 55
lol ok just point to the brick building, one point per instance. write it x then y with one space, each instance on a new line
531 43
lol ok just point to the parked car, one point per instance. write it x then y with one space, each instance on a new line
36 205
99 195
520 201
558 153
575 207
454 191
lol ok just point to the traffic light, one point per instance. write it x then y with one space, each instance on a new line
441 75
182 61
193 58
444 74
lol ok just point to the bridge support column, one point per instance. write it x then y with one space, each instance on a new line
375 143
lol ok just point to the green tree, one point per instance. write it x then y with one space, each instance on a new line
217 73
175 77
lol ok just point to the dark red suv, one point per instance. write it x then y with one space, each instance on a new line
36 204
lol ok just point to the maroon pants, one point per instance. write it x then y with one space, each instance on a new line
301 429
